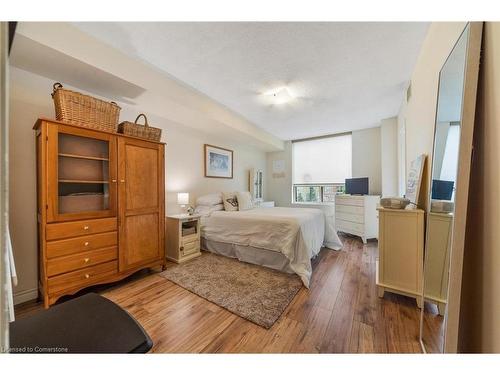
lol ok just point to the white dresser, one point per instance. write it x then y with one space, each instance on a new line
265 204
357 214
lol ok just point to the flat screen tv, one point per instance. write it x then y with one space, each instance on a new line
442 190
356 186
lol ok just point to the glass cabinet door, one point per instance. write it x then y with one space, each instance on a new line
83 175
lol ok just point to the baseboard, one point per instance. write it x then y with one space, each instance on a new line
25 296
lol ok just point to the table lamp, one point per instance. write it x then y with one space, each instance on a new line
183 200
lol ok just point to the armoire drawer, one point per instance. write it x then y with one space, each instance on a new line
74 262
80 228
83 277
350 227
81 244
354 218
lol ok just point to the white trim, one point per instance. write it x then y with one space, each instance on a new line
25 296
4 185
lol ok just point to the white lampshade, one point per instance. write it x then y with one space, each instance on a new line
183 198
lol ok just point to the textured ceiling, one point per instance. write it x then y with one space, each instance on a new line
345 76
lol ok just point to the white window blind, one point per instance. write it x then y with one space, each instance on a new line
323 160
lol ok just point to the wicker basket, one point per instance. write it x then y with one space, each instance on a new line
84 110
141 131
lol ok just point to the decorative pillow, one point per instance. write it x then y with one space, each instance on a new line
209 200
230 201
244 200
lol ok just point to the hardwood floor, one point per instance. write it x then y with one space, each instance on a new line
340 313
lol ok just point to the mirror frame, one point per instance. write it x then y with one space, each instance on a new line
451 319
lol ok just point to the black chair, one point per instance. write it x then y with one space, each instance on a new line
88 324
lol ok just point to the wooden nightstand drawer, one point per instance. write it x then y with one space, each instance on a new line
190 248
81 244
69 263
188 239
80 228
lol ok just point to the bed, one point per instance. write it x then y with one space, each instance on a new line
281 238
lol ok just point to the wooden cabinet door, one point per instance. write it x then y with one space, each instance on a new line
81 173
141 195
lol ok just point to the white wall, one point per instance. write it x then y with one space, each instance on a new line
389 156
279 189
30 99
366 157
401 154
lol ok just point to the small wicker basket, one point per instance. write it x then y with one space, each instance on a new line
141 131
84 110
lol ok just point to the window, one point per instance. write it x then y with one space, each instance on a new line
320 167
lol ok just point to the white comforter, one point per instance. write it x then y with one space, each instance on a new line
297 233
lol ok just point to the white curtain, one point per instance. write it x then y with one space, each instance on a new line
322 160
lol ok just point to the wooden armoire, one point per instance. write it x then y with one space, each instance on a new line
101 207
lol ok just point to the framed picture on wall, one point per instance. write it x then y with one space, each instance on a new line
218 162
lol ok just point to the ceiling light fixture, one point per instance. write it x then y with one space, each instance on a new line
280 95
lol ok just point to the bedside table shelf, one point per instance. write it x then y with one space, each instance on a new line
183 237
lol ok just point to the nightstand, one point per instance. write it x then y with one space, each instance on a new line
183 237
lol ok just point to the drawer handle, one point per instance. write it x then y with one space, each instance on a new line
86 227
122 181
86 260
86 243
113 180
87 276
182 248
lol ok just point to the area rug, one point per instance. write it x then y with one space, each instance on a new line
253 292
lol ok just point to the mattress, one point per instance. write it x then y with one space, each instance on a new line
297 233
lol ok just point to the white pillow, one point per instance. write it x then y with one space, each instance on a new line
217 207
244 200
209 200
207 210
230 201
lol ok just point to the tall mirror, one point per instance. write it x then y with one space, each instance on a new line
441 216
